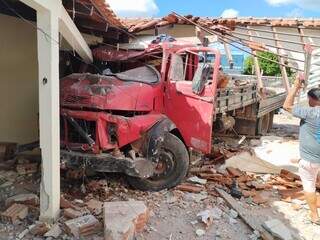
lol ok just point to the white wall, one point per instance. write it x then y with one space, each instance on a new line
18 81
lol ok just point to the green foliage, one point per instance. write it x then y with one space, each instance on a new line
268 68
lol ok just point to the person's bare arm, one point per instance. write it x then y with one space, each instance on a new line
289 102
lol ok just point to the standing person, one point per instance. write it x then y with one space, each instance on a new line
309 138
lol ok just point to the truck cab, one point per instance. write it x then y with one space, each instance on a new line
144 118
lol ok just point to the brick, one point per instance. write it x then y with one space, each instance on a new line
290 194
64 203
94 206
40 229
289 175
27 168
83 226
188 187
122 220
27 199
261 186
72 213
14 213
259 199
246 193
234 172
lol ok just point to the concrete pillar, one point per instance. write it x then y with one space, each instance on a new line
48 60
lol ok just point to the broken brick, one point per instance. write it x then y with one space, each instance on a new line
40 229
246 193
243 178
289 194
234 172
83 226
122 220
27 168
14 213
188 187
28 199
64 203
72 213
290 176
259 199
94 206
204 169
260 186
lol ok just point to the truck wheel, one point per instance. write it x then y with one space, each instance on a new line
171 169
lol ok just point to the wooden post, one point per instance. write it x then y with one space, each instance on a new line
257 67
282 68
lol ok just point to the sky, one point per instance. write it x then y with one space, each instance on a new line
217 8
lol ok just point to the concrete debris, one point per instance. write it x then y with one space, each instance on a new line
200 232
233 213
278 229
27 168
197 180
247 162
27 199
14 213
54 232
83 226
207 216
196 197
23 234
122 220
171 198
232 221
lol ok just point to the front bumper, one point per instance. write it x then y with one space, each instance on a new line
105 162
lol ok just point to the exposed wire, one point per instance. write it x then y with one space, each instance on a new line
213 32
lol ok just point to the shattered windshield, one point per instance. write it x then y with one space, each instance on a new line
145 74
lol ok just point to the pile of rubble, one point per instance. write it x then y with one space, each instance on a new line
107 210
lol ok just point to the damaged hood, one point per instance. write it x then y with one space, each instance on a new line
105 93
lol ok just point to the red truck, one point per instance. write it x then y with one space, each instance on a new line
144 120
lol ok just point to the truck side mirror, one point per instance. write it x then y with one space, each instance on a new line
176 68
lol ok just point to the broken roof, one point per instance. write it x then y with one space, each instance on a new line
94 10
141 24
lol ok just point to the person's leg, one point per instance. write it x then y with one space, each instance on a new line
308 173
311 199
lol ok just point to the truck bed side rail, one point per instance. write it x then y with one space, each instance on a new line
230 99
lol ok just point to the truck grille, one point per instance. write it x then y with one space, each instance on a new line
73 135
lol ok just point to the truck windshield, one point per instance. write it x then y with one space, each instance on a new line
145 74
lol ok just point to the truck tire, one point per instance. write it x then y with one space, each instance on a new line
172 167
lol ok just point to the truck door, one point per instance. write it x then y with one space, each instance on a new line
189 96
